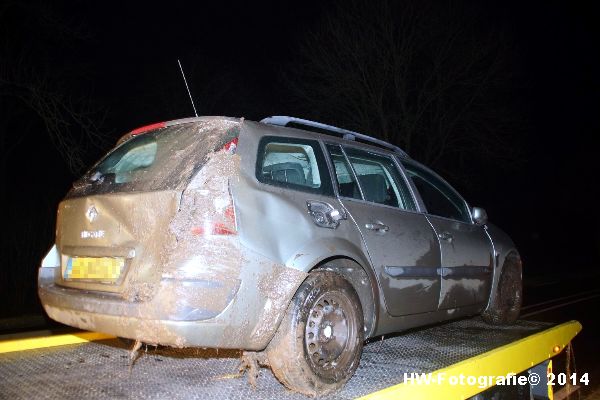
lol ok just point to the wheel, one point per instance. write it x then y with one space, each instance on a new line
318 345
505 308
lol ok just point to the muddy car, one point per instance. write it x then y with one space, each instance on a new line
292 240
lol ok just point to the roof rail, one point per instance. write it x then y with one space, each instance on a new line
281 120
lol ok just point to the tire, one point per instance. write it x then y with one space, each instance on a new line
318 344
506 306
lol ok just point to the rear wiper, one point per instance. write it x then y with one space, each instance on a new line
96 177
79 184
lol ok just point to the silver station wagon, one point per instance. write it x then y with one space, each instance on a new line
290 239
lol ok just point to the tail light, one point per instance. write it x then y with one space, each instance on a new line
221 225
231 146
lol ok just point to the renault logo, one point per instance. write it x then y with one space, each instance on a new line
91 213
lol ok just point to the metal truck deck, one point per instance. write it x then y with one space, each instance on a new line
102 369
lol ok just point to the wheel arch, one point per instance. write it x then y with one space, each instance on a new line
362 282
511 257
504 250
347 259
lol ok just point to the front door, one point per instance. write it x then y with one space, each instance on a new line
467 260
403 247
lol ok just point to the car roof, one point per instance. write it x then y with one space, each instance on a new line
314 127
307 127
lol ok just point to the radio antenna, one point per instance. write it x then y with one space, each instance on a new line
187 87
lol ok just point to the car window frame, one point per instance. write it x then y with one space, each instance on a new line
334 174
436 175
327 186
390 155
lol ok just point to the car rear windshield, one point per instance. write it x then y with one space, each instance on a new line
162 159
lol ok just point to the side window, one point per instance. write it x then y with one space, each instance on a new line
347 186
293 163
439 198
379 179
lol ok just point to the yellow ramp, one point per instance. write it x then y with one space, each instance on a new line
514 357
7 346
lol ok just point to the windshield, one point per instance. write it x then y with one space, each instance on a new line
163 159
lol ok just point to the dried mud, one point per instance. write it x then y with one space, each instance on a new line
194 253
274 287
181 248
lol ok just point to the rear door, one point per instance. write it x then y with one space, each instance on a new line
402 245
467 259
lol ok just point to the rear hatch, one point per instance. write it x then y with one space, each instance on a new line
113 227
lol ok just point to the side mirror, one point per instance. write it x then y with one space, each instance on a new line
479 216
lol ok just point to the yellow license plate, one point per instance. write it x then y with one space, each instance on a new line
104 269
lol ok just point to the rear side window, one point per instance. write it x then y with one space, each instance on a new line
293 163
439 198
379 179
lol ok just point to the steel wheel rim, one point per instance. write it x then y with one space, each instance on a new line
329 332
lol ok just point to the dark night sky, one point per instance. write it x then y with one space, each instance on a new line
555 48
127 54
137 47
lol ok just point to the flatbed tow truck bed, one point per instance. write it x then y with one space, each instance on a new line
101 369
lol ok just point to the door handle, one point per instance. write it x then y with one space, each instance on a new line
377 226
447 236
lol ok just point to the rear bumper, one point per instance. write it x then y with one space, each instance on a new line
183 313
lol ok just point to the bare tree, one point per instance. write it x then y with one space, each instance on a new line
43 100
71 124
33 86
420 75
